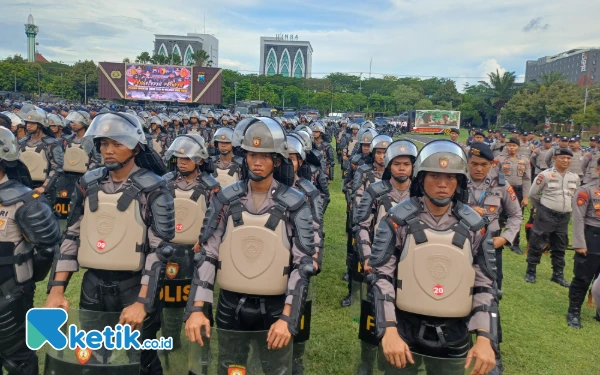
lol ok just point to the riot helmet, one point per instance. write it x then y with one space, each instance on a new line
398 148
189 146
441 156
223 135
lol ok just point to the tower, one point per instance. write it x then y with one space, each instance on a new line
31 31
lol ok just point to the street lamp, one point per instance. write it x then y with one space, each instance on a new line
284 97
235 90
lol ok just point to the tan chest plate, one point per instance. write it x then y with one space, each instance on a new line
189 216
36 162
253 258
436 276
76 160
156 145
224 178
109 238
380 214
351 146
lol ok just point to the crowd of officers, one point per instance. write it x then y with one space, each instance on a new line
239 202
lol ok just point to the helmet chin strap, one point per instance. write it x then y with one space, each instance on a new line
118 165
224 152
439 202
257 178
381 164
400 179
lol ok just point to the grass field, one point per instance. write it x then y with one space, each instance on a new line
537 340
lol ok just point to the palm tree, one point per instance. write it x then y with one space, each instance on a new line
548 79
143 58
160 59
201 58
499 90
126 60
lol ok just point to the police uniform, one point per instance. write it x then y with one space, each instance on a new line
588 166
549 155
586 235
551 195
118 264
538 158
327 152
577 164
254 289
498 147
517 173
435 309
526 148
29 233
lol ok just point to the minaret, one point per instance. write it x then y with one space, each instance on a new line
31 31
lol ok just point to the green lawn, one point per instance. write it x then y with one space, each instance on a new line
537 339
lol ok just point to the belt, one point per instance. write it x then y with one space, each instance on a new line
555 213
517 187
114 288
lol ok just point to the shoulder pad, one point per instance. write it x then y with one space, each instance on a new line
214 158
209 181
169 176
230 192
379 188
11 192
95 175
147 180
238 160
364 168
68 137
306 186
49 140
468 216
405 210
355 159
291 197
325 144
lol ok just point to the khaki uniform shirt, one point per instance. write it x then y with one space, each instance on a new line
538 158
588 166
108 186
480 320
576 163
206 270
496 199
516 170
526 149
554 190
586 211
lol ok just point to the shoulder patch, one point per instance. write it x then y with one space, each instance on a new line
539 179
511 192
582 197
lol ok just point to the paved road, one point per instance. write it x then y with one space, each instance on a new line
421 139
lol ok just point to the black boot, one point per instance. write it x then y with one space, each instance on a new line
574 317
516 249
530 274
559 278
597 317
347 301
346 277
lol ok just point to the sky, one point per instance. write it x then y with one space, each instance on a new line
459 39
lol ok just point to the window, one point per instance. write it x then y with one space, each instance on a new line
271 68
299 67
284 64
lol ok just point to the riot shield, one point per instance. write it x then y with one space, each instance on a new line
173 296
356 283
423 365
366 331
87 361
238 353
301 339
65 185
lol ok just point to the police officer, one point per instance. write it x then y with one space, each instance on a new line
125 272
351 140
454 133
562 143
478 137
551 195
490 196
538 157
57 125
377 200
17 125
195 122
325 148
499 145
313 162
227 165
302 174
279 217
29 234
517 172
340 140
586 229
76 160
589 161
578 154
193 188
435 313
491 139
159 135
41 153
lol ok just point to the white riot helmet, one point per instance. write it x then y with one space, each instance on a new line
295 145
397 148
79 117
189 146
56 120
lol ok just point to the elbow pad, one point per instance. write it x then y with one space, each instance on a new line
299 294
384 244
163 213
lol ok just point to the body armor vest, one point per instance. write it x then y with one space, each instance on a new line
435 277
156 145
190 209
253 258
112 239
76 160
351 146
37 163
194 131
227 176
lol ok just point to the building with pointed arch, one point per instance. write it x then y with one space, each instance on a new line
186 46
285 55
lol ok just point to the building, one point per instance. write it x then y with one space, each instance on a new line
576 65
31 30
185 46
285 55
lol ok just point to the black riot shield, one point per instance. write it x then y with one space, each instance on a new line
238 353
424 365
301 339
92 362
65 185
173 296
366 331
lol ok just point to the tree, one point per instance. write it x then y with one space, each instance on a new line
175 59
500 89
405 97
424 104
447 93
143 58
548 79
201 58
126 60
